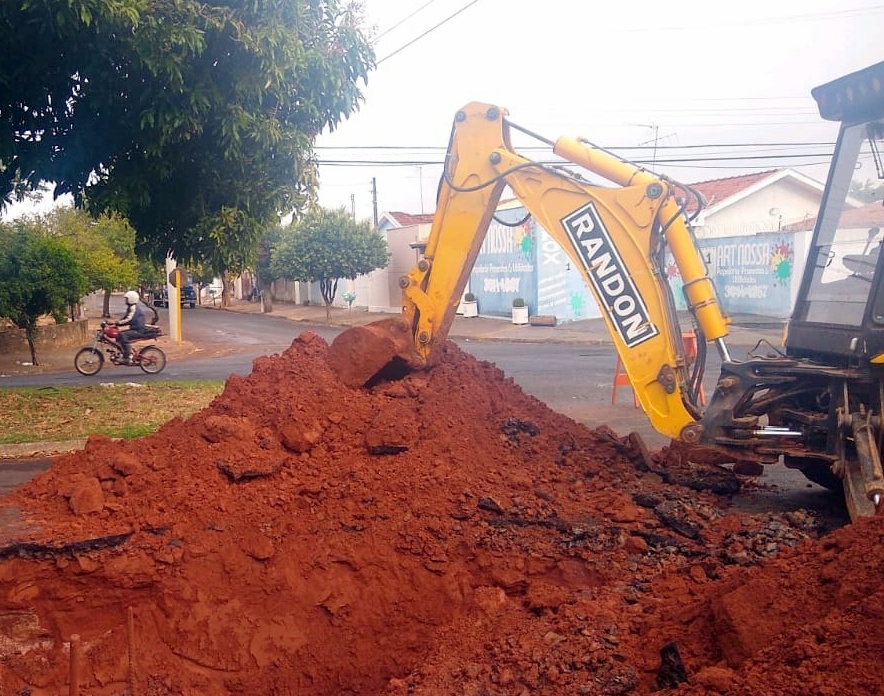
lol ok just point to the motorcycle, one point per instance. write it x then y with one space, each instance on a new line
90 359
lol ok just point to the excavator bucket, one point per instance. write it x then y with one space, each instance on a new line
382 349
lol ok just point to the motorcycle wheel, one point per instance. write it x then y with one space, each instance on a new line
152 360
88 361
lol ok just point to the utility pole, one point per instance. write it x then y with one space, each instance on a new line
374 200
353 205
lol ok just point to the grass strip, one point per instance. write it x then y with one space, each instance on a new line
34 414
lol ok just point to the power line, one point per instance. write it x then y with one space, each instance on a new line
798 165
705 152
442 148
850 12
405 19
428 31
711 157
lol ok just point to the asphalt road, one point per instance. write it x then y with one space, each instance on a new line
574 380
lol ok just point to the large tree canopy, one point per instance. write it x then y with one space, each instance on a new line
177 112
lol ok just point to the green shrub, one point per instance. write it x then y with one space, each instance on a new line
519 302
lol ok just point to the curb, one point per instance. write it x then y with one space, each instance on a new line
44 448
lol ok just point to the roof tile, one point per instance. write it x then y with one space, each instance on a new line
408 219
717 190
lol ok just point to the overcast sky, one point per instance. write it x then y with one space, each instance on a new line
624 75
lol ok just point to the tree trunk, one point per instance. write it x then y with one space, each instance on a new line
266 299
105 308
327 289
30 329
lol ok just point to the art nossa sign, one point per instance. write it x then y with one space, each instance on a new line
609 275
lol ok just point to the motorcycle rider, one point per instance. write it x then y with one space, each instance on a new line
135 319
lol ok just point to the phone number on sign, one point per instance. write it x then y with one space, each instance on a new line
753 292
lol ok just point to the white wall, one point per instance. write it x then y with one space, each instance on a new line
381 288
782 203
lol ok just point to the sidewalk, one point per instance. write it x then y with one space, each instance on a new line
745 331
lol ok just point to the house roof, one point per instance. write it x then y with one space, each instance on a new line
408 219
717 190
400 219
869 215
720 193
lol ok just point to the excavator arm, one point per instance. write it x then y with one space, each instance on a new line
817 407
615 236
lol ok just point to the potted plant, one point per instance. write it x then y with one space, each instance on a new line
469 305
520 311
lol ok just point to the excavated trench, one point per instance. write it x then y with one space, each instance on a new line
444 533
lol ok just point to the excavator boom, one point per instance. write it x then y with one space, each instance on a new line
817 407
614 235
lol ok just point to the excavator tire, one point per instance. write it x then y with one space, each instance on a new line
381 349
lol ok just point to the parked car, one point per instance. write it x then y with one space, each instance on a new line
160 297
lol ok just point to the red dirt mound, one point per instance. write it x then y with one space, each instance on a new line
441 534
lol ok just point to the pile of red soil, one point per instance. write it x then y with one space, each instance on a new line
440 534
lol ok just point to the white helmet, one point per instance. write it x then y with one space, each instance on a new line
131 297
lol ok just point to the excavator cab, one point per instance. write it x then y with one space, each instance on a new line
838 316
820 407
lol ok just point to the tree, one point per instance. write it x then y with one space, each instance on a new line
105 247
150 275
196 120
326 245
266 244
868 191
41 276
231 247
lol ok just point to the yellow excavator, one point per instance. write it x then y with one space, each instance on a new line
815 405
